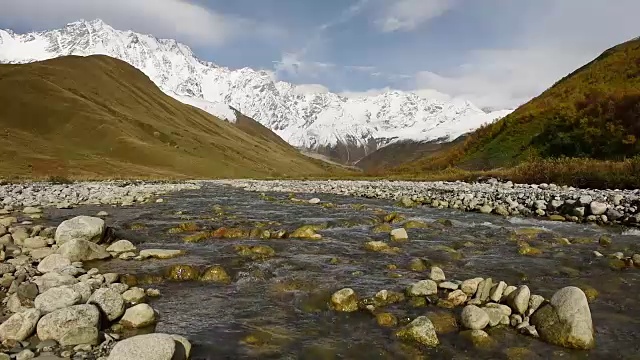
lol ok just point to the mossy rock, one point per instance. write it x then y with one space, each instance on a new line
197 237
308 232
148 279
129 279
527 250
418 301
417 265
382 228
617 264
591 293
582 240
556 218
189 226
328 205
605 241
393 218
445 222
479 339
216 274
137 226
258 252
415 224
445 322
519 353
529 233
385 298
183 273
386 320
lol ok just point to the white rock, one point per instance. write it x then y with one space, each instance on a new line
519 299
148 347
57 298
138 316
53 262
121 246
109 301
82 250
474 318
399 234
423 288
437 274
81 227
71 326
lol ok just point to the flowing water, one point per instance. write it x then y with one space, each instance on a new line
276 308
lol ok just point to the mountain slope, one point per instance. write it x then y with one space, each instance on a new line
346 129
593 112
99 116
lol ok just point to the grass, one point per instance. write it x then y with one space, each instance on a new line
81 118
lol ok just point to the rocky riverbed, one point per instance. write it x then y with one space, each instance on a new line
558 203
310 275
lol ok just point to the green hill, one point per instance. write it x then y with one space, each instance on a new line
592 113
100 117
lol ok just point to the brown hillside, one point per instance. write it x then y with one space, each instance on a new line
100 117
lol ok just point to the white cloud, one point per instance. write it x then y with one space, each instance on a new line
179 19
406 15
311 89
550 43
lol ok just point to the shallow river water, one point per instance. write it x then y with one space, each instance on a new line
277 308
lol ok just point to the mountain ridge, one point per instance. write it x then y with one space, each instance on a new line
323 122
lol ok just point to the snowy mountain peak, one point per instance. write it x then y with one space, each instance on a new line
316 121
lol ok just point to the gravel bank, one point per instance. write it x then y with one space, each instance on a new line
85 193
560 203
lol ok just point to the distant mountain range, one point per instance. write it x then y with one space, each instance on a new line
345 129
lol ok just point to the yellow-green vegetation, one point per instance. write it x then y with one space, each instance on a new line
258 252
583 131
184 227
308 232
525 249
98 117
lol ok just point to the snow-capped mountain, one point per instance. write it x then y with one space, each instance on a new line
306 120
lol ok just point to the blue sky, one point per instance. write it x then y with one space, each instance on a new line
496 53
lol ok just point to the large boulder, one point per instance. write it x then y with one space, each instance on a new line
81 227
57 298
420 330
82 250
566 320
151 347
20 326
109 301
474 318
53 262
71 326
53 279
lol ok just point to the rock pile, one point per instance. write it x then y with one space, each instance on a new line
564 320
54 308
559 203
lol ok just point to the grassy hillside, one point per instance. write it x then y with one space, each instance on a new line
592 113
100 117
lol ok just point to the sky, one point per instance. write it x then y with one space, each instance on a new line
495 53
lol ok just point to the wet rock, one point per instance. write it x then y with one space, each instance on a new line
437 274
216 274
258 252
53 262
566 320
470 286
423 288
162 254
420 330
406 202
121 246
150 347
109 301
386 320
486 209
152 292
443 321
82 250
382 228
7 268
636 260
314 201
57 298
344 300
307 232
71 326
415 224
399 235
605 241
138 316
183 273
80 228
20 326
417 265
478 338
385 297
378 246
519 299
474 318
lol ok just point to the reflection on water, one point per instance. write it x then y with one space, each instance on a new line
276 308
